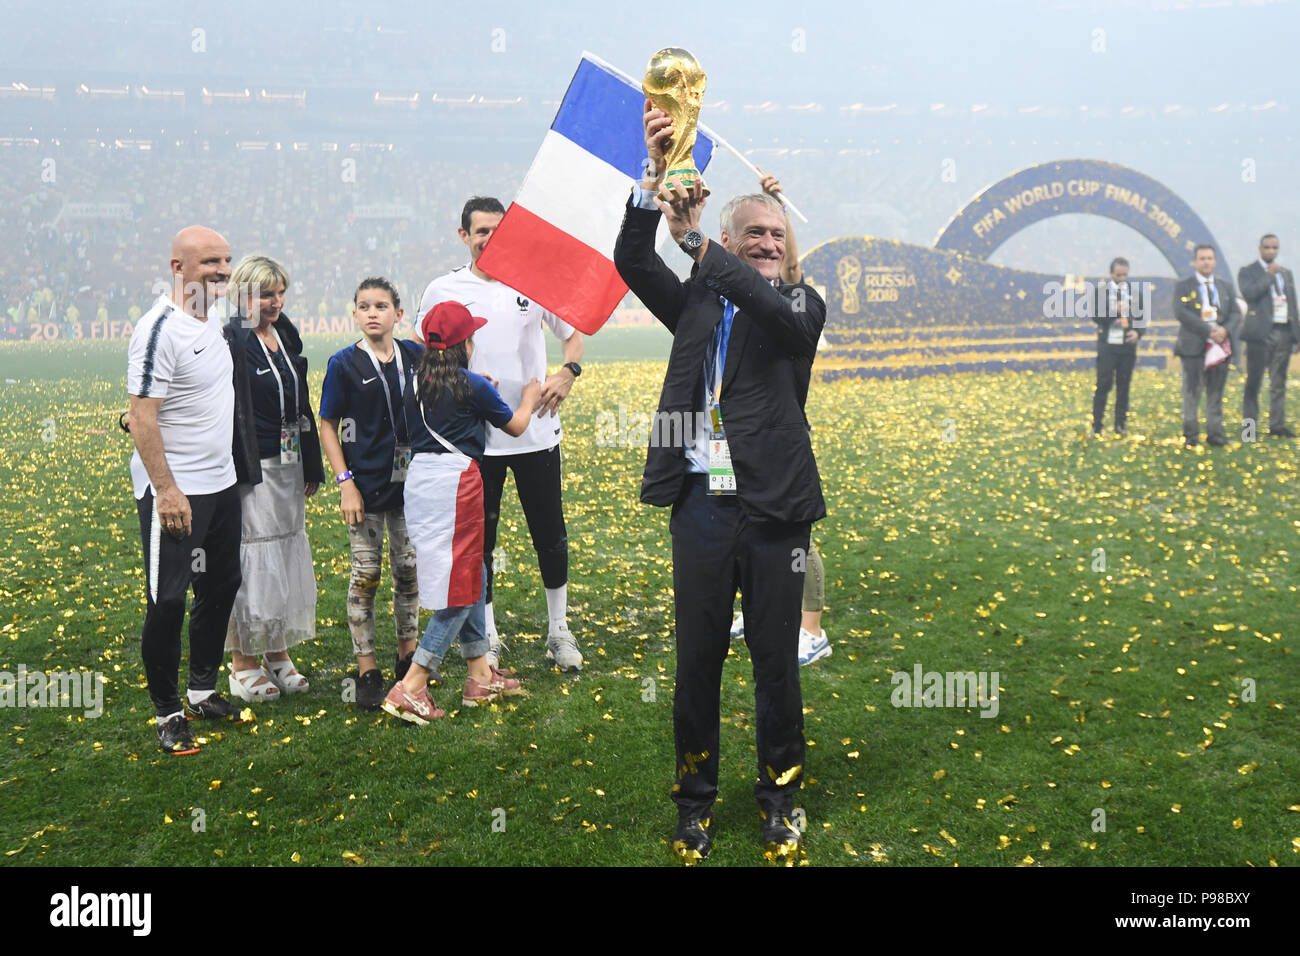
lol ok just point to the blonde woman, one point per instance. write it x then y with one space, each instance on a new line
276 605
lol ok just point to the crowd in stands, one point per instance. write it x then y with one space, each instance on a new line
87 225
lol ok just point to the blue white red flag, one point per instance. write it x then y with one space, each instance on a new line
555 244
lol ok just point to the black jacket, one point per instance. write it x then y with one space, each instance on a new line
1257 289
248 463
765 381
1104 315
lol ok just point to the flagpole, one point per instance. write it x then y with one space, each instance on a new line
708 131
754 169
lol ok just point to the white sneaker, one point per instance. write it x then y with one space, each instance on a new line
812 647
495 648
562 648
738 627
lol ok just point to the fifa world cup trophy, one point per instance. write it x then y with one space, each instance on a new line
675 84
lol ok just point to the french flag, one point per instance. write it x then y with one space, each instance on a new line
556 242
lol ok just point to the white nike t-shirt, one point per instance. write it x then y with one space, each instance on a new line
187 364
510 348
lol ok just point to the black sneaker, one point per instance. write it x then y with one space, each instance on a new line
693 838
370 689
174 737
212 707
404 664
782 841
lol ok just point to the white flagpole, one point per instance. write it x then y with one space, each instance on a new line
754 169
709 132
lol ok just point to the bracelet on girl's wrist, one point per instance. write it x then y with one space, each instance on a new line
346 476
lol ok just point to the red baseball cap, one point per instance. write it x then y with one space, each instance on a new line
447 324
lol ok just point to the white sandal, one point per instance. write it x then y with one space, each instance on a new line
253 685
285 676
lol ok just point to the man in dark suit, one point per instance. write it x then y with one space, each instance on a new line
1271 332
1116 307
744 488
1207 313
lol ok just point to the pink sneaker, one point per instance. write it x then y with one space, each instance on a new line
476 694
417 708
505 684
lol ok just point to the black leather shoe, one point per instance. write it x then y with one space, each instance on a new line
693 838
782 841
1216 441
1282 432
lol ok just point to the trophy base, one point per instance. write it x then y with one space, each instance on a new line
686 176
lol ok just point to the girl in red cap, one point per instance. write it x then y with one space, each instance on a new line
444 509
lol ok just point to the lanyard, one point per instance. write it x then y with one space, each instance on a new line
716 364
442 441
1118 294
383 380
1279 283
1213 297
279 383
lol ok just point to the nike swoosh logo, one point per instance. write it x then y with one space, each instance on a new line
263 371
367 381
197 351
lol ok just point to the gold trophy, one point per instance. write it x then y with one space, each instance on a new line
675 84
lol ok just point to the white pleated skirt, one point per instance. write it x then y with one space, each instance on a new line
275 608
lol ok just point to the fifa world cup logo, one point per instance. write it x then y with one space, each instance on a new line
849 271
675 84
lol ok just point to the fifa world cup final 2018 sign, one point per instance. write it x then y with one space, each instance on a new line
872 284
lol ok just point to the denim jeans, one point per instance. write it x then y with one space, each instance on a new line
466 621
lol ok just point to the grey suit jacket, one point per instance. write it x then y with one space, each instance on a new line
1193 331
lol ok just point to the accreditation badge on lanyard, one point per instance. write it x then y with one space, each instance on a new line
722 477
1279 302
1209 311
1115 335
290 426
401 450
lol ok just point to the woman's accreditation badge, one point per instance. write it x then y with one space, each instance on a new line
290 444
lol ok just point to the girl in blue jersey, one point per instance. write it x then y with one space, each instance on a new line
364 435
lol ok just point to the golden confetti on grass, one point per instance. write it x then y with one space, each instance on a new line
353 858
1238 823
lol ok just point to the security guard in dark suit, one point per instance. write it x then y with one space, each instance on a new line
743 486
1271 333
1117 310
1207 313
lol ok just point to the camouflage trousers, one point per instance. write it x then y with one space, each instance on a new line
367 541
